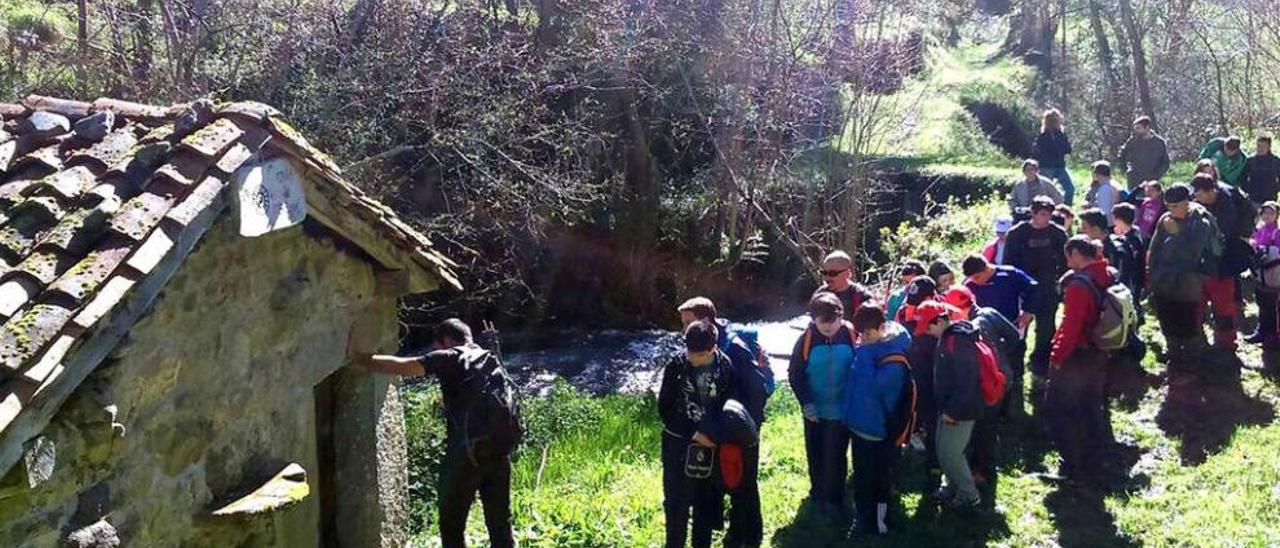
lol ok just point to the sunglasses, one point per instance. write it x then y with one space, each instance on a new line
833 273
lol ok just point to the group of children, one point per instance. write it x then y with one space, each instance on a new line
942 361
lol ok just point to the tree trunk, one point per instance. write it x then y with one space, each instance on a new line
1106 59
1139 60
143 39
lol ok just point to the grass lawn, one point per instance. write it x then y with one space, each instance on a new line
1204 470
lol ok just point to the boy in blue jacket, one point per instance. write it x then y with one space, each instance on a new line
818 371
873 393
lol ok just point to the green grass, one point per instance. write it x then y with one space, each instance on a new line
598 482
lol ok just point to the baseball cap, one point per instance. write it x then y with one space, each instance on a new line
927 312
960 297
920 290
1003 224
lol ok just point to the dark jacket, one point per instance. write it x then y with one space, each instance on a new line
1037 251
1261 178
1144 159
751 386
852 297
1051 148
1235 225
957 373
691 399
1003 337
1177 263
1125 255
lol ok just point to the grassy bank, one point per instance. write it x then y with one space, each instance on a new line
1203 471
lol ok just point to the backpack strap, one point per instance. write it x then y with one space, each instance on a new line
808 343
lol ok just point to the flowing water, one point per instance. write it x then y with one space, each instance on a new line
615 361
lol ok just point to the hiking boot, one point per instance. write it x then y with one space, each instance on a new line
943 495
1257 337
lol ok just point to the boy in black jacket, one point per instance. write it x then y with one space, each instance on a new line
695 387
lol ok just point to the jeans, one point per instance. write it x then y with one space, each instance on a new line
1063 177
681 493
826 445
1220 291
460 479
1046 313
1079 422
872 478
746 526
952 440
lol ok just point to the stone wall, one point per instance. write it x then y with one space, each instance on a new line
213 394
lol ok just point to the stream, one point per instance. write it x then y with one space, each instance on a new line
618 361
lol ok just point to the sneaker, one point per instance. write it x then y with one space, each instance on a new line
943 495
1256 338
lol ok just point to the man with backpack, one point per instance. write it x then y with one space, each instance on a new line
1035 247
482 428
696 386
957 384
1077 380
1184 249
1009 292
1235 215
879 411
818 373
755 384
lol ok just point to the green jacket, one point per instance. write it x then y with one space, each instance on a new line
1177 263
1230 168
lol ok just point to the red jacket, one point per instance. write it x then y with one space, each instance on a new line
1080 314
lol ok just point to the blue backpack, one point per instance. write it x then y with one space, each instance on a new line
751 338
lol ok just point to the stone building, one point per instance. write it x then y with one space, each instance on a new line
176 288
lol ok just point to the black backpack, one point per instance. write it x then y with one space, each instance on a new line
490 418
902 420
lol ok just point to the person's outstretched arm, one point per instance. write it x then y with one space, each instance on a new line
384 363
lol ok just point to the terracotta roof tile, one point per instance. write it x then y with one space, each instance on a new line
139 215
94 196
25 334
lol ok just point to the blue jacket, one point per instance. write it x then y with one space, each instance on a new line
1008 291
820 379
872 390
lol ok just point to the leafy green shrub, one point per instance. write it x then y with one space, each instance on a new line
951 234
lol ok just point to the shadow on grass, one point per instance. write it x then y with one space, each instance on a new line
1203 410
1081 519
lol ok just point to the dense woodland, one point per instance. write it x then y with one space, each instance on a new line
562 151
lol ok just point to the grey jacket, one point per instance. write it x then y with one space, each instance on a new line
1024 191
1144 159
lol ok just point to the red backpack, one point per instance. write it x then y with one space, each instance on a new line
992 377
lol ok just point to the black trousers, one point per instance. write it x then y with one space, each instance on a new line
872 478
1178 319
826 445
683 497
984 445
460 480
746 525
1267 317
1076 401
1046 313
